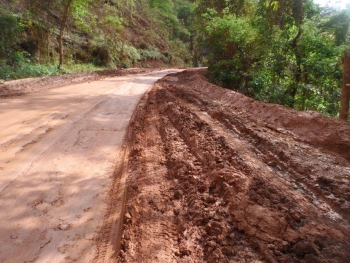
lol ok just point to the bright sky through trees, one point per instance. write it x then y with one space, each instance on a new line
339 4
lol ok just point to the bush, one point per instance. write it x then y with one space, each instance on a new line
227 73
26 70
151 53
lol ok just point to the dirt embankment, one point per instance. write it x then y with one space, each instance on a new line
217 177
30 85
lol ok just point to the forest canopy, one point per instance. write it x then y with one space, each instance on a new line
287 52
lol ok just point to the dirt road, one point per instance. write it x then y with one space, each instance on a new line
214 176
204 174
61 193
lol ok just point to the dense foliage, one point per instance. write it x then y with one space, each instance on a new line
286 52
113 33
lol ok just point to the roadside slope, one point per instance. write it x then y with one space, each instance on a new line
30 85
216 177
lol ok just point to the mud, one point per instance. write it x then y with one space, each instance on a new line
214 176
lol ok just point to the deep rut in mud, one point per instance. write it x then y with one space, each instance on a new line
210 182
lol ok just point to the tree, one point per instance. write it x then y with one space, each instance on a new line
278 51
66 7
339 23
52 11
9 36
231 41
345 98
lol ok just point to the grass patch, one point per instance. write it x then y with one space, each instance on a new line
27 70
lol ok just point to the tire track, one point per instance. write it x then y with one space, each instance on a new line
241 190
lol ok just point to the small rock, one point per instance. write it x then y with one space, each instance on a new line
90 236
127 215
64 226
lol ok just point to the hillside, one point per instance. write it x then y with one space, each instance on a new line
100 33
292 53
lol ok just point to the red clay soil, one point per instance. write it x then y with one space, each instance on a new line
214 176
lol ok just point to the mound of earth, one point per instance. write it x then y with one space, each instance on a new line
214 176
30 85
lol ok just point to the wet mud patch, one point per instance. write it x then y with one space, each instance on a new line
209 183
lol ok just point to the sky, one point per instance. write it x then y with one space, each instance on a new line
339 4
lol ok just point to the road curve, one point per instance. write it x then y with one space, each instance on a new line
58 155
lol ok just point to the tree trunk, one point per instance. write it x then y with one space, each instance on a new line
345 96
193 51
62 27
293 90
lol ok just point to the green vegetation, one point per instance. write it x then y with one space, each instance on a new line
50 37
26 70
286 52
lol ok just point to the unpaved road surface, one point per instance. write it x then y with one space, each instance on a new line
61 170
201 174
214 176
